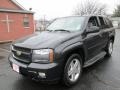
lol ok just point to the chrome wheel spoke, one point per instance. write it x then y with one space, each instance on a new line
77 70
75 65
70 72
72 65
110 47
73 76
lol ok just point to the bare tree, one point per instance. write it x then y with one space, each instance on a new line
90 7
116 12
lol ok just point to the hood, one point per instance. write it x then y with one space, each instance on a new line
45 39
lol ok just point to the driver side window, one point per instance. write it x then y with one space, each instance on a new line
92 22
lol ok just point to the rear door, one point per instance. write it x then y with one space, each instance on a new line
104 31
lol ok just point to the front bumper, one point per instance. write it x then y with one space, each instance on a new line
53 71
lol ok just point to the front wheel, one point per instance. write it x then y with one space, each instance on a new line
73 70
109 48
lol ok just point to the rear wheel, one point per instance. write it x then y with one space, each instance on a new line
72 70
109 48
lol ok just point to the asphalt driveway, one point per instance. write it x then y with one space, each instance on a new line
103 75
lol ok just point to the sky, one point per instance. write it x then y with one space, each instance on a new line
51 9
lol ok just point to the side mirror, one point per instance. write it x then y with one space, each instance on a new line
93 29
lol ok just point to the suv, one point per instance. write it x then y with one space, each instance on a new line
68 45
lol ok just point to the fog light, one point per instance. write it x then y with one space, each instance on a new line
42 75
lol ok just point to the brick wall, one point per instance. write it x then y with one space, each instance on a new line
17 29
8 4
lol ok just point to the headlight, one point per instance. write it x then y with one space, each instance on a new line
43 55
42 51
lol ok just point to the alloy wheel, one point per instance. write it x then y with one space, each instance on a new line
74 70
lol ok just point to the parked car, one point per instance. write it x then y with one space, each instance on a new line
61 52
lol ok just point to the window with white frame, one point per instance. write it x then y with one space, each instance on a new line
26 22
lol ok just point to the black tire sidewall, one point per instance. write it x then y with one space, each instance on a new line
66 80
108 53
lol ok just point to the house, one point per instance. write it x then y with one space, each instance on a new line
15 21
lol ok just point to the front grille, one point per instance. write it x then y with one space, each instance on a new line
22 49
22 54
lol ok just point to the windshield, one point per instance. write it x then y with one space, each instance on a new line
69 24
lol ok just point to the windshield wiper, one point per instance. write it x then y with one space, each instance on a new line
62 30
48 30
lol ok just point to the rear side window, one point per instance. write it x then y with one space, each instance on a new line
102 22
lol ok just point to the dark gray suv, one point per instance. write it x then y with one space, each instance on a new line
61 52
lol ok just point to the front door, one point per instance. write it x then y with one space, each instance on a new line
92 41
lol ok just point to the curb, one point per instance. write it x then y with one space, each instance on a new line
3 42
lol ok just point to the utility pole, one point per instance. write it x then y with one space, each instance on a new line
44 23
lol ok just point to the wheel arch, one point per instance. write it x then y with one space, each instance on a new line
78 49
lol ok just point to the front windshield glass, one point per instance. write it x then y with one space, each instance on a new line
68 23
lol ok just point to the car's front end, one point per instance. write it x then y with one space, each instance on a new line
37 64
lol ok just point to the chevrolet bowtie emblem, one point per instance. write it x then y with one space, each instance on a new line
18 53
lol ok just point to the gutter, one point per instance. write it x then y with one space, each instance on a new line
17 11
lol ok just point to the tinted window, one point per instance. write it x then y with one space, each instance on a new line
102 23
92 22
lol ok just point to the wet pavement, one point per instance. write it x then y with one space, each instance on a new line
103 75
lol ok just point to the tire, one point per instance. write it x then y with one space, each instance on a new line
72 70
109 48
24 75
